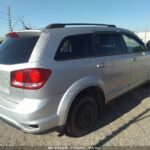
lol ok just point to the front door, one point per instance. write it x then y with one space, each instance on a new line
112 64
137 54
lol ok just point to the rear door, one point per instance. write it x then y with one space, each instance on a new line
138 59
112 64
73 62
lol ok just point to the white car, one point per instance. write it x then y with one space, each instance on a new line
59 77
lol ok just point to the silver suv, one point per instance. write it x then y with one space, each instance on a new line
59 77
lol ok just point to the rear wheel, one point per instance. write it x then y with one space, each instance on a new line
82 116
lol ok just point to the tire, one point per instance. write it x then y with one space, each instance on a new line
82 116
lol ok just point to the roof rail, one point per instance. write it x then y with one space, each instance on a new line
62 25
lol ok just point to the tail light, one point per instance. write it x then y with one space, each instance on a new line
32 79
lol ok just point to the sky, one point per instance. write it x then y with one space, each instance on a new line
130 14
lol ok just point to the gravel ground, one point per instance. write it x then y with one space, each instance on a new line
124 122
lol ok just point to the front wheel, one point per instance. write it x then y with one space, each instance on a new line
82 116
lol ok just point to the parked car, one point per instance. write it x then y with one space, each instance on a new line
59 77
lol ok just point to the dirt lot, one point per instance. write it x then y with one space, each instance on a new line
124 122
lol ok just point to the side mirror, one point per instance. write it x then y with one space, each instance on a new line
148 45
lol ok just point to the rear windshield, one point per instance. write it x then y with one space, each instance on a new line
17 50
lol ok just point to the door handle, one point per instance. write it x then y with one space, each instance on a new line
101 65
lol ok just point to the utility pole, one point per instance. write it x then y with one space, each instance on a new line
145 36
9 18
22 21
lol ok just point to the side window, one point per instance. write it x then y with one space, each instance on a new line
73 47
133 45
108 44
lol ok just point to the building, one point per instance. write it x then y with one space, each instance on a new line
145 36
1 39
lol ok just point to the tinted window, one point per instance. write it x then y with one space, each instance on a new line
133 45
107 44
72 47
17 50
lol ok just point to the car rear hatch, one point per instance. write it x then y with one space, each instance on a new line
15 53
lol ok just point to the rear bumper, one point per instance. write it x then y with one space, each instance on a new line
32 116
34 127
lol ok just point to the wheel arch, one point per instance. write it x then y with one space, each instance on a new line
81 87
